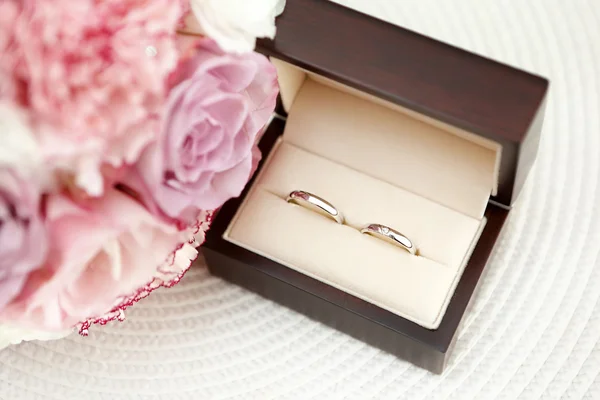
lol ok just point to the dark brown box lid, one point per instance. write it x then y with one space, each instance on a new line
451 85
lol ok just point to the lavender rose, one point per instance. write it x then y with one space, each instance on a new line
218 106
23 244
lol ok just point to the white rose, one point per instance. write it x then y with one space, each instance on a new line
235 24
18 146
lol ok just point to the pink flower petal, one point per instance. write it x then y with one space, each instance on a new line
195 168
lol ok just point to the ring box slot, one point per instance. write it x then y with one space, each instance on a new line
360 185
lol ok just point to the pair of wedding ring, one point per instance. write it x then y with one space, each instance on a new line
323 207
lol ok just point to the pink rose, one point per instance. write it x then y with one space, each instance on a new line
215 112
23 245
99 252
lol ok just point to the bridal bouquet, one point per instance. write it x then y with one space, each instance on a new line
118 137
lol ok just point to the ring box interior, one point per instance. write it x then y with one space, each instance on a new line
394 128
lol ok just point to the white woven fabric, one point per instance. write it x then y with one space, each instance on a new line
533 331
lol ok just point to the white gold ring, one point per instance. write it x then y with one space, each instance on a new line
315 203
391 236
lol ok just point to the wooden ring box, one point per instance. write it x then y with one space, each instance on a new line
391 127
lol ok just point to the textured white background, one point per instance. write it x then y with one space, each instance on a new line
532 332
